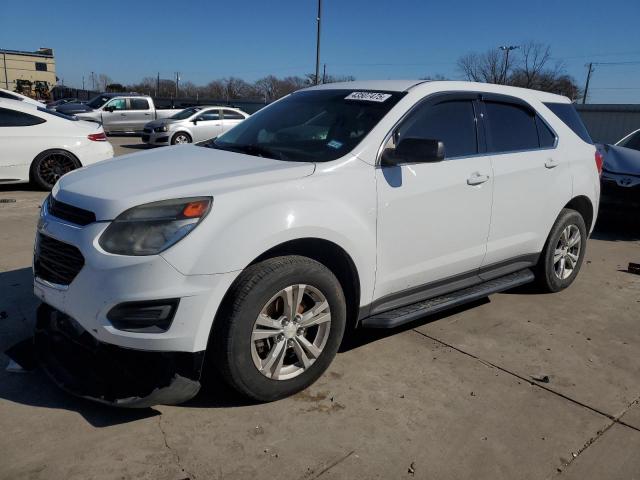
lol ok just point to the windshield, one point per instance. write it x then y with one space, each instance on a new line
310 126
184 114
97 102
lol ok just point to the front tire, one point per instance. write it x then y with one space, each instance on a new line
180 138
280 328
49 166
563 253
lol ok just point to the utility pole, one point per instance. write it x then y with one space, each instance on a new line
82 82
586 87
158 85
319 20
506 49
6 77
324 73
93 81
177 80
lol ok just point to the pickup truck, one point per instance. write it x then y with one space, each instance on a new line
361 204
118 112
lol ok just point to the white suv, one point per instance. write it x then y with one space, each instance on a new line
365 204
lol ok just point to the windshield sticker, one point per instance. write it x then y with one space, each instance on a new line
334 144
368 96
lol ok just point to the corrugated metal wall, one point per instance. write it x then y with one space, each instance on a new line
609 123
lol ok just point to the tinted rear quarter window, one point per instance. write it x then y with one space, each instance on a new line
568 114
452 122
511 127
11 118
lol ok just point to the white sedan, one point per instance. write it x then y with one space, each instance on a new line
38 145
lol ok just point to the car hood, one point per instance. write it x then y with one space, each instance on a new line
112 186
72 108
621 160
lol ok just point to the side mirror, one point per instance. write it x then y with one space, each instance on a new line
109 109
194 121
414 150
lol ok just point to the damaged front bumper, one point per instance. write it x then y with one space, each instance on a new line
80 364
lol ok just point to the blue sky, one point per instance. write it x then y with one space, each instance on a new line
368 39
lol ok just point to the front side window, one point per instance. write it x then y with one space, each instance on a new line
289 128
97 102
451 122
117 104
546 137
139 104
511 127
12 118
210 115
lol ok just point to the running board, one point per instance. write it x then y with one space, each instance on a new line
399 316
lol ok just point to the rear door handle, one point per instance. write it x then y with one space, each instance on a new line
476 179
550 163
123 114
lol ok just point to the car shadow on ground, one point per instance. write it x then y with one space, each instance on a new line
617 226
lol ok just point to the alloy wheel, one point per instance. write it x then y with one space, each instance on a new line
567 252
55 166
290 332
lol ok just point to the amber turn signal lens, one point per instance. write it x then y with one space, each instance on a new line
196 209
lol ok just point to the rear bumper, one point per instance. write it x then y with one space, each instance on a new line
82 365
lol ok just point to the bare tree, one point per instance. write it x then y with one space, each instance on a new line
102 80
483 67
533 60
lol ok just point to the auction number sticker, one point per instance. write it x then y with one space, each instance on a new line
368 96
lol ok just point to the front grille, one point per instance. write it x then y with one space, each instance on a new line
72 214
55 261
146 130
145 138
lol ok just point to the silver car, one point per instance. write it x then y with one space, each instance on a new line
193 124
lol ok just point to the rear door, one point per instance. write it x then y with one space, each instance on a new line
532 182
138 113
230 119
433 218
209 125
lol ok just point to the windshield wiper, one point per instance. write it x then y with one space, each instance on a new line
251 149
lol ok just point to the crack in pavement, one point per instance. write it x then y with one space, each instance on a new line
330 466
175 454
615 419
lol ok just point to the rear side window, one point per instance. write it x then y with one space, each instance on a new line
231 115
11 118
452 122
511 127
9 96
139 104
567 113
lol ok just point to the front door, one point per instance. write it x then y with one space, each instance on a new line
208 125
433 218
114 115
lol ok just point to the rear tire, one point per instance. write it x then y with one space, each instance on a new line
49 166
180 138
265 342
563 253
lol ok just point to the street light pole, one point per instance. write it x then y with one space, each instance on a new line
506 49
319 21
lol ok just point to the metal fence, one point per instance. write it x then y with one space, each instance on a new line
609 123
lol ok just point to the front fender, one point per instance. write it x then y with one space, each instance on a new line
339 207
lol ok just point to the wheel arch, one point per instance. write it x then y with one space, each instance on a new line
582 204
52 150
175 134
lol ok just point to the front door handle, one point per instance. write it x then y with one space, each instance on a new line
476 179
550 163
123 114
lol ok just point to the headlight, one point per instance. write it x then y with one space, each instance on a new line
152 228
163 128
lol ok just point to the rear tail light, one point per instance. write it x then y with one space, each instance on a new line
97 137
599 162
